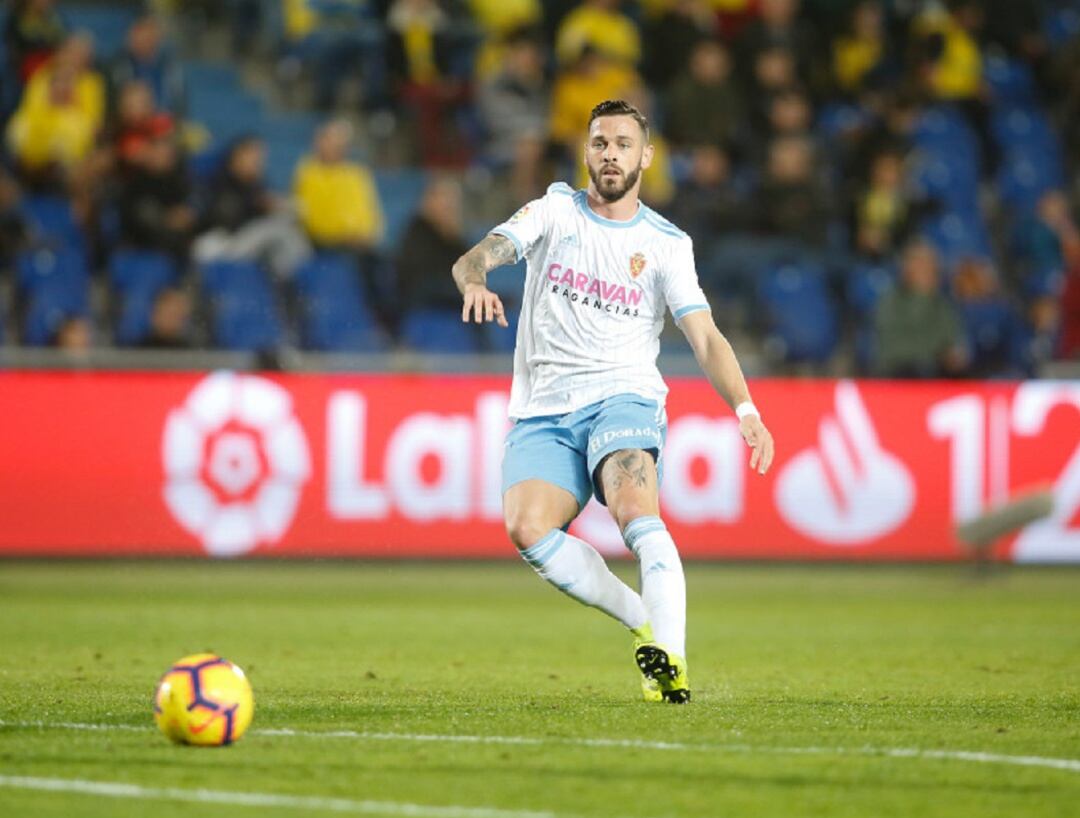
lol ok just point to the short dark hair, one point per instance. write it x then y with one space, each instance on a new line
620 107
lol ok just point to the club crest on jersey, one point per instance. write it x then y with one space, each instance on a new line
519 215
637 264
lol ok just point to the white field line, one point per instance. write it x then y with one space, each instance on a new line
112 789
973 756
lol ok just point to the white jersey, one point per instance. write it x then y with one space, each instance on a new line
596 291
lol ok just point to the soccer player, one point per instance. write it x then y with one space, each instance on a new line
587 400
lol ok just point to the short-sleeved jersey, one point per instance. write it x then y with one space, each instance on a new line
596 293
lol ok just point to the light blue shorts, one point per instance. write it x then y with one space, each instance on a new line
566 450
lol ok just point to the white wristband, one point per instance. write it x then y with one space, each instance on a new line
746 408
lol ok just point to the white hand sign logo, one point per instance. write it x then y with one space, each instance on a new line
848 489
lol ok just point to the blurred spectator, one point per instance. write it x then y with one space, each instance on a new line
12 227
74 336
951 57
601 26
990 323
710 204
513 105
32 33
895 117
244 220
672 36
1070 316
704 106
338 202
61 112
170 321
884 210
137 124
918 333
1016 28
145 58
340 209
422 49
790 114
791 202
1049 240
775 72
433 242
342 39
951 68
778 27
591 78
154 202
500 22
1064 69
860 56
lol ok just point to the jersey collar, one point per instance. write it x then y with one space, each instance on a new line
582 200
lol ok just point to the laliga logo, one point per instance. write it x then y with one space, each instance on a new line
849 489
235 463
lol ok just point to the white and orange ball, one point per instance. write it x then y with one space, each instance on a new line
203 700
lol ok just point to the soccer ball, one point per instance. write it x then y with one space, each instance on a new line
203 700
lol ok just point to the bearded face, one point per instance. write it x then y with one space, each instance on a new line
611 182
615 155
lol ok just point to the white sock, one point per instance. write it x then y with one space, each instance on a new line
577 569
663 585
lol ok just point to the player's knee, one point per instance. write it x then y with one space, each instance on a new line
526 529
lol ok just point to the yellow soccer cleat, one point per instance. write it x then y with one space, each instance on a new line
665 670
650 688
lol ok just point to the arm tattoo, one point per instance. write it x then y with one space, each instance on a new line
627 469
492 252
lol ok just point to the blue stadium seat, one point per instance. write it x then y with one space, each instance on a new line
943 129
1019 128
1023 179
989 327
1061 25
957 234
138 277
1010 80
108 23
226 111
952 181
439 331
283 154
334 315
46 268
400 192
837 119
51 221
800 313
55 286
866 285
136 269
244 310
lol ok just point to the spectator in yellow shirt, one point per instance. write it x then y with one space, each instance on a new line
590 79
60 115
339 209
954 69
498 20
339 204
862 52
600 25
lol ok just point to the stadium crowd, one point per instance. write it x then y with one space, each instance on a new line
888 187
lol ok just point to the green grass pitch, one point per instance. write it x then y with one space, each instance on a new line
476 691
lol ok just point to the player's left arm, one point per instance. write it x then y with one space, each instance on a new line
717 360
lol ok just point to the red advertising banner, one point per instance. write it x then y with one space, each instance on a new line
230 464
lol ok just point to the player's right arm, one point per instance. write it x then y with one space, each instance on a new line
470 274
